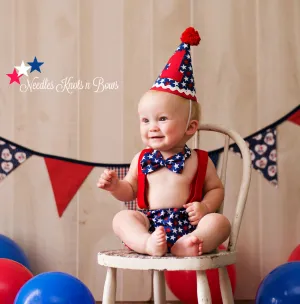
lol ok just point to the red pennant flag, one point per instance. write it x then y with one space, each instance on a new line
66 178
295 118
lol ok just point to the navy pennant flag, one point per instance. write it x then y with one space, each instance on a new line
263 151
11 157
214 156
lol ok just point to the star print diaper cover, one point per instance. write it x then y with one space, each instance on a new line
174 220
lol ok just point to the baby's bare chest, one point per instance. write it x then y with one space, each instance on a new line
166 187
164 177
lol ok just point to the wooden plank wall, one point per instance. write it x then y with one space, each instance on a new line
247 76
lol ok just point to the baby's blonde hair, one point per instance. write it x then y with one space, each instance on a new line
196 111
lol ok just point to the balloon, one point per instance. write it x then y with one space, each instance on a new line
54 287
281 285
10 250
183 284
295 255
13 276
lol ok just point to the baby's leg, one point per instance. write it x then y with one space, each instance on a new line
132 227
212 230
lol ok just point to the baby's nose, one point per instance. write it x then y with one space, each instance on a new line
154 128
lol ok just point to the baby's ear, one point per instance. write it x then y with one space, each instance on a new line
193 127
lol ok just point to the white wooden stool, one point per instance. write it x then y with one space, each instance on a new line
126 259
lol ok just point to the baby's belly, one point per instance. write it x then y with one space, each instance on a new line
163 197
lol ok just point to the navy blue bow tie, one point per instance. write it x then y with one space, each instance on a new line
154 160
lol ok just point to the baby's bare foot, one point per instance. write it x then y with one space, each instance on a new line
188 245
156 243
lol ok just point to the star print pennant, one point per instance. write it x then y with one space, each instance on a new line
11 157
263 151
214 156
67 175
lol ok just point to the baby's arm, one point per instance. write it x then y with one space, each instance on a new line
213 189
213 192
124 190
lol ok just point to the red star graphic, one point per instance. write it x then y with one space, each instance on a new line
14 77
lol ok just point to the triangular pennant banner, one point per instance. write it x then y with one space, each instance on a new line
11 157
66 178
214 156
295 118
263 150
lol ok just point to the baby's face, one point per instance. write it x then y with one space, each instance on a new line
163 118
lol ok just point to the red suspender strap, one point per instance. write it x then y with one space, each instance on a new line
142 180
197 186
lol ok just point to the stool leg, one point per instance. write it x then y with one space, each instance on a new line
159 287
203 291
109 292
225 286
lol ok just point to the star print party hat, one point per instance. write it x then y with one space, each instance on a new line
177 76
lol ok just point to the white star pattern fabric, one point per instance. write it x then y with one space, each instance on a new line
154 160
177 76
174 220
184 83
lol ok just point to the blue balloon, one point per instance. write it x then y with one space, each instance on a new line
54 287
10 250
281 286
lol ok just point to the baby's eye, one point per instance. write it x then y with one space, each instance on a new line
145 120
163 118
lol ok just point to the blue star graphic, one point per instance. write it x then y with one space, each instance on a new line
35 65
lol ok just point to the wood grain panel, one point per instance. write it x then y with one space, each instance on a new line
45 120
247 76
170 19
225 65
280 206
104 128
7 63
137 68
278 59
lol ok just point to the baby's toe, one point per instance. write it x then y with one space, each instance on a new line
160 239
194 239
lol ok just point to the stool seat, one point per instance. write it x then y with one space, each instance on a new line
127 259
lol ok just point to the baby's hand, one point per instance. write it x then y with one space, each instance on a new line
196 211
108 180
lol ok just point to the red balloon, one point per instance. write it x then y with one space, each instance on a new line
295 255
183 284
12 277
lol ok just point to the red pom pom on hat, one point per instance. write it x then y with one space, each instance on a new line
190 36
